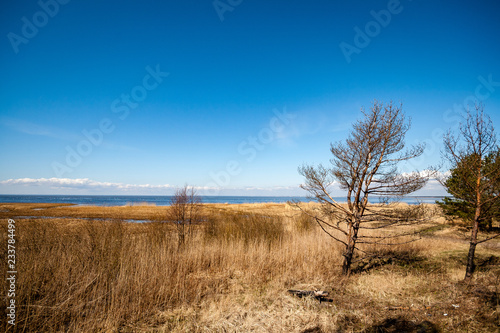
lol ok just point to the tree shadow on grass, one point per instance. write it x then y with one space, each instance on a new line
483 262
402 325
399 258
489 297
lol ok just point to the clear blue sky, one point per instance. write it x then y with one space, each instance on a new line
101 66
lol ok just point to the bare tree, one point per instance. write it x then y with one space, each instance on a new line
365 165
475 162
184 210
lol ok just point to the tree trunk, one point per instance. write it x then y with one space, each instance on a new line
472 248
349 250
180 233
471 266
346 265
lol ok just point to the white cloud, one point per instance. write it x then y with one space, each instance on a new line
80 183
433 175
88 186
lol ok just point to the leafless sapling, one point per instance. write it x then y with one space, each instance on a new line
184 211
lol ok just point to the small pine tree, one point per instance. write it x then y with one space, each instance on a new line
459 182
475 174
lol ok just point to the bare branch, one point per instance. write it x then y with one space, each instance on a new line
487 239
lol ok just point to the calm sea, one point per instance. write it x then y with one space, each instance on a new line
164 200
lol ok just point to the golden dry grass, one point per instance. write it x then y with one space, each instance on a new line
84 275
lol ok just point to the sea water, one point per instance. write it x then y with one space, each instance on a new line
165 200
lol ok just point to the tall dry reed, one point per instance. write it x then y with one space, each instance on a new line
92 275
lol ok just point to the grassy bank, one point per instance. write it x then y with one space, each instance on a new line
232 274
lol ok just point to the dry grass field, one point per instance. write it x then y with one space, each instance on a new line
80 273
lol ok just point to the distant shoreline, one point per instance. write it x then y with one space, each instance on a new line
164 200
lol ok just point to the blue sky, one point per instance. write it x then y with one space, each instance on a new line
231 96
